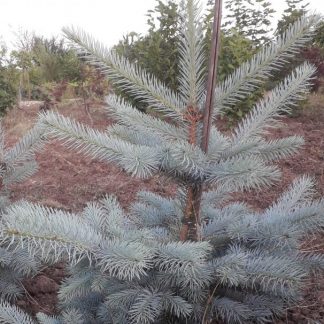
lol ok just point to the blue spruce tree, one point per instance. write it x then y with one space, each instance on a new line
197 256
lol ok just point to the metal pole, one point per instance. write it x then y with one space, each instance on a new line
212 73
191 224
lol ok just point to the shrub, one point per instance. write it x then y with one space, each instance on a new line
92 86
40 62
8 94
196 256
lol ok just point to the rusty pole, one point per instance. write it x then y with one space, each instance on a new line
212 73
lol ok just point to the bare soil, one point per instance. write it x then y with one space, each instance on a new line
68 180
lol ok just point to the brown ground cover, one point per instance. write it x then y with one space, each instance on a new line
68 180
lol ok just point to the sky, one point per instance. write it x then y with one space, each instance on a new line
106 20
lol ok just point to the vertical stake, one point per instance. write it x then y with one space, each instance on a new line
212 73
191 226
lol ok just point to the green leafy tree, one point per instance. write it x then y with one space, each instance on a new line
42 61
8 92
157 51
319 37
235 48
250 18
198 255
54 60
22 58
295 9
93 86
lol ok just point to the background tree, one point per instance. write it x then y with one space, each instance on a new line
8 92
23 58
295 9
54 61
92 86
235 47
252 19
42 63
158 50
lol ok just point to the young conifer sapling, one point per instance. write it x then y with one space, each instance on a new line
154 264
